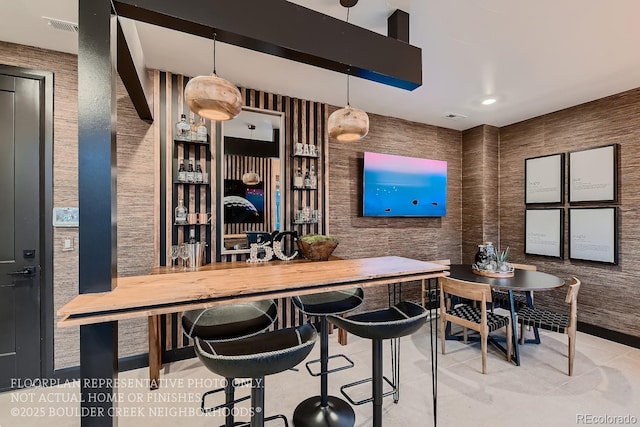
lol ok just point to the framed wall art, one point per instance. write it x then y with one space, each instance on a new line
544 232
593 234
544 179
593 174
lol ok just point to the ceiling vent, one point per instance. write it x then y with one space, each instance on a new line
59 24
454 116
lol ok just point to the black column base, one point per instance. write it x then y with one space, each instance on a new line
311 413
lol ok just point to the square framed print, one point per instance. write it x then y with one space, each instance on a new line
544 232
544 179
593 174
593 234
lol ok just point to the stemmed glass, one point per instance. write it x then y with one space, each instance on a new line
174 252
184 254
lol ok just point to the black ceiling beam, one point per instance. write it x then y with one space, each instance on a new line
398 25
130 78
287 30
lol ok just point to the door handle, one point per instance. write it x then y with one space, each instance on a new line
27 271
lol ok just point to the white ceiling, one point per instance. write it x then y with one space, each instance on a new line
535 57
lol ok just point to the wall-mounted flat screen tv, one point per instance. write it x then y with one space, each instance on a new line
243 203
404 186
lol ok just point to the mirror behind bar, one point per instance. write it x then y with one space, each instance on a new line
253 160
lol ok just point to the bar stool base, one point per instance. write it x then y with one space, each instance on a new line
337 413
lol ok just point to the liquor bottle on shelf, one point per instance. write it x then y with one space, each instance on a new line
197 175
190 172
313 178
182 172
205 177
201 131
192 235
298 181
307 179
182 129
181 213
193 130
277 202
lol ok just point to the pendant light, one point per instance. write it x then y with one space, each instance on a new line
348 123
213 97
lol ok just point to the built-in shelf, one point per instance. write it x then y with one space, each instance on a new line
305 222
191 183
306 155
304 188
189 225
180 141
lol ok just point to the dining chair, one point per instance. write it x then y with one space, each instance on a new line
467 316
501 298
556 322
432 294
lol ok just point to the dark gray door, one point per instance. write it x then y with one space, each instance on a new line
20 136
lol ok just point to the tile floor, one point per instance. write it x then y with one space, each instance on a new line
606 383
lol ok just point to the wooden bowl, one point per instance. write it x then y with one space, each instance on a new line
317 251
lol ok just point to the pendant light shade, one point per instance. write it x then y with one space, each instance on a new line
348 124
213 97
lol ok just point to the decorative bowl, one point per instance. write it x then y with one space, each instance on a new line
317 247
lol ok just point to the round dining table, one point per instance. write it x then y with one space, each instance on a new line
527 281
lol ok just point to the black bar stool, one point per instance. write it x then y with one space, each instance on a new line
227 323
397 321
325 410
256 357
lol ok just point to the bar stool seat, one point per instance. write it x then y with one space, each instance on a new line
228 323
397 321
325 410
256 357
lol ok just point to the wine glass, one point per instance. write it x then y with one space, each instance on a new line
184 254
174 252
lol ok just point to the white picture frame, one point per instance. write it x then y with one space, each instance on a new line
544 232
544 179
593 234
593 174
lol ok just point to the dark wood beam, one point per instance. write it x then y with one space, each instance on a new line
131 79
287 30
398 25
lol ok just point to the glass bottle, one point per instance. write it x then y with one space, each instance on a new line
181 212
298 181
197 175
277 227
201 131
182 129
193 130
313 178
190 172
307 179
192 235
490 252
182 172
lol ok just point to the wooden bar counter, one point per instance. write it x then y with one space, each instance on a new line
155 294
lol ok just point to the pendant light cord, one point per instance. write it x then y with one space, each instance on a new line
348 69
214 53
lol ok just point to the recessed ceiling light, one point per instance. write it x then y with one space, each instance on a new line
489 101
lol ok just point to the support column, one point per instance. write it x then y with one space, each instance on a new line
97 202
480 185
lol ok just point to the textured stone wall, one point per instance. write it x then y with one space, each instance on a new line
609 296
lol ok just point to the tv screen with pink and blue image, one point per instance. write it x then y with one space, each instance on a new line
404 186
